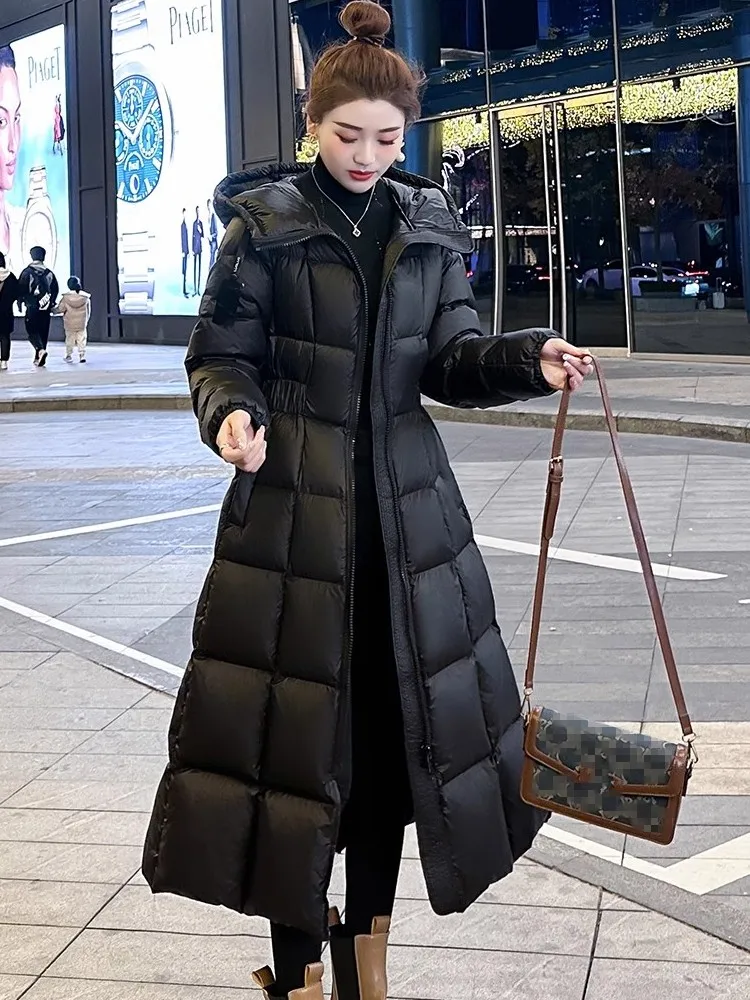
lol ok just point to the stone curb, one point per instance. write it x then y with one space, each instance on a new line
666 424
57 404
669 424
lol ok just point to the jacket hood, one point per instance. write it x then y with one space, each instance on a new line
273 207
77 299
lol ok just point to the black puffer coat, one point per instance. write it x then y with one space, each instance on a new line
248 812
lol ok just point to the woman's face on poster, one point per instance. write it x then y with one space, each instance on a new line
10 126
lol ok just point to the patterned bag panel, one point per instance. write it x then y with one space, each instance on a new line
599 774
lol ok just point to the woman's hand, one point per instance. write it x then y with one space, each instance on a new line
563 364
239 444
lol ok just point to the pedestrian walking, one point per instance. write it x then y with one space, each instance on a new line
348 675
38 290
75 309
8 297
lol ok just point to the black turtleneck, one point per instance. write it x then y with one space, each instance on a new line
376 227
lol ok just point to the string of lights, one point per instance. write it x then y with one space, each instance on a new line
698 96
703 32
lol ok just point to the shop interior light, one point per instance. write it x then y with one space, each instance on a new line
697 96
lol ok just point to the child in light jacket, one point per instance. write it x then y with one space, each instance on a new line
75 309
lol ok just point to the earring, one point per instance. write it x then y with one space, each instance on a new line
401 158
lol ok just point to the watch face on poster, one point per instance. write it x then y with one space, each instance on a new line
170 144
139 138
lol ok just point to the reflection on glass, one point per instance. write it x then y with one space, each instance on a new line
466 176
562 232
592 223
685 220
529 235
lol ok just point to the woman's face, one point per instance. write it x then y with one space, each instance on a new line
360 141
10 126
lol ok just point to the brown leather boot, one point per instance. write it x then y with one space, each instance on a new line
312 990
359 962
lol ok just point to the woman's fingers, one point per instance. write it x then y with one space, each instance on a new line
240 445
577 367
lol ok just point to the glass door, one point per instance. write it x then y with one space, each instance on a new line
562 235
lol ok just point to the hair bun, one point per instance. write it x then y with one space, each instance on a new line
366 21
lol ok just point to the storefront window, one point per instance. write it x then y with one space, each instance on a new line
467 178
562 231
685 217
657 35
564 177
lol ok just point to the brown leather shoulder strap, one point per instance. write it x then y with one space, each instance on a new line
552 503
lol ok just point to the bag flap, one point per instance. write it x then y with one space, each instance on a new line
632 764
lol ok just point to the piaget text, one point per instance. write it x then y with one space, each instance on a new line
45 69
185 22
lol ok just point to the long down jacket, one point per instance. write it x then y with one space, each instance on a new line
247 814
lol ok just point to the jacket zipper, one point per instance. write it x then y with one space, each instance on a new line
397 251
352 508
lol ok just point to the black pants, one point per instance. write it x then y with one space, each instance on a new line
184 274
4 347
37 330
372 867
379 805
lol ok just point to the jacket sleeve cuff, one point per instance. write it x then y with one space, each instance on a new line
213 425
545 389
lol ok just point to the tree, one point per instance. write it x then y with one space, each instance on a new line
667 170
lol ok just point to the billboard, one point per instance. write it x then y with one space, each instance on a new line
170 150
34 206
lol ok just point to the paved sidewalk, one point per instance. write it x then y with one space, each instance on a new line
81 751
107 523
678 398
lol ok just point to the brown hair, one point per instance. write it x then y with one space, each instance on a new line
363 67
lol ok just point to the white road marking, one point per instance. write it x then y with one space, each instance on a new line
92 637
484 541
700 874
90 529
594 559
703 873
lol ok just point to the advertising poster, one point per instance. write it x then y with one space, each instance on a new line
170 150
34 208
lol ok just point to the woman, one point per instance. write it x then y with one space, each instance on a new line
10 144
8 296
348 675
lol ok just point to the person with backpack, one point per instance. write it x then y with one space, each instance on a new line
8 295
38 291
75 309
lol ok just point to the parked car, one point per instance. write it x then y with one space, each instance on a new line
612 275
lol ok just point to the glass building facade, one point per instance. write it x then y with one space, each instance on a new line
599 150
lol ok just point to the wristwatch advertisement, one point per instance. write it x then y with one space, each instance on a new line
144 147
170 150
34 156
39 227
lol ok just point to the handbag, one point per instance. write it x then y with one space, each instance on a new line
601 775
